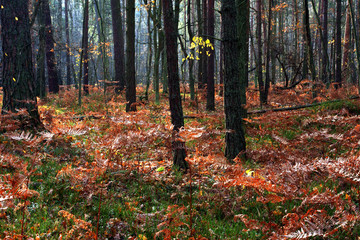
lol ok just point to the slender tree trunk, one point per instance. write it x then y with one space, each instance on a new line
150 53
85 47
158 48
200 33
347 35
338 79
243 24
259 67
67 33
210 96
221 69
204 58
59 56
234 138
177 119
308 41
119 56
192 52
268 53
356 37
41 59
324 68
50 53
18 77
130 56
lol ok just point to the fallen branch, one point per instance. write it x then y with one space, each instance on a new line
299 106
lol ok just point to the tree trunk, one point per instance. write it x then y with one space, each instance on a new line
85 47
324 68
259 67
60 32
345 60
268 53
308 40
243 24
177 118
210 96
191 61
50 53
150 52
200 33
130 56
40 58
338 79
67 33
119 56
356 38
234 138
18 78
204 58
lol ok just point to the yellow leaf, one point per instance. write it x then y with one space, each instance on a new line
249 172
16 18
14 79
142 237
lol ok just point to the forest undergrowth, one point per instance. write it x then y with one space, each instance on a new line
98 172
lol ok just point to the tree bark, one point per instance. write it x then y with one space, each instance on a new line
18 77
177 118
259 67
268 53
234 138
191 61
324 69
40 58
210 96
243 24
308 40
67 34
85 47
345 60
119 56
130 56
338 79
50 53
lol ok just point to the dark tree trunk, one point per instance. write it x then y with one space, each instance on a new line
204 57
60 32
191 61
308 40
40 58
221 69
259 67
268 53
130 56
234 138
85 47
338 79
119 56
67 33
18 77
324 27
177 118
200 33
243 24
50 54
210 96
345 60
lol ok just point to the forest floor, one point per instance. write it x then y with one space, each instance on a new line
98 172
